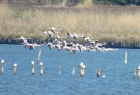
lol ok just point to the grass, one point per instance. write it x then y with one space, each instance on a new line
102 26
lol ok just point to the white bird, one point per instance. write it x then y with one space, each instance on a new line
23 39
75 36
69 34
58 46
44 32
81 47
26 44
58 37
50 45
86 38
53 29
50 33
93 42
69 49
30 46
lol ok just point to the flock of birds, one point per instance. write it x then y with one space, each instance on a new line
62 43
59 42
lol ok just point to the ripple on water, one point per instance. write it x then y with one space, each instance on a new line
119 78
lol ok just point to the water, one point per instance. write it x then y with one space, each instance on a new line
119 78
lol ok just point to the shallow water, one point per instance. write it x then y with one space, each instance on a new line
119 78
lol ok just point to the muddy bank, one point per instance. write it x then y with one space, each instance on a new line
132 45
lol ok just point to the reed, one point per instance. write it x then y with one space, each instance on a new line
101 26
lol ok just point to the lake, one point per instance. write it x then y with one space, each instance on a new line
119 78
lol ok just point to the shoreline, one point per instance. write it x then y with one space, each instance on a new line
131 45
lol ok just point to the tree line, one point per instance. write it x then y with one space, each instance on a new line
117 2
104 2
75 2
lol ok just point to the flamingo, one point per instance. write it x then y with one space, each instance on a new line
50 45
69 49
30 46
53 29
24 40
58 46
44 32
58 37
